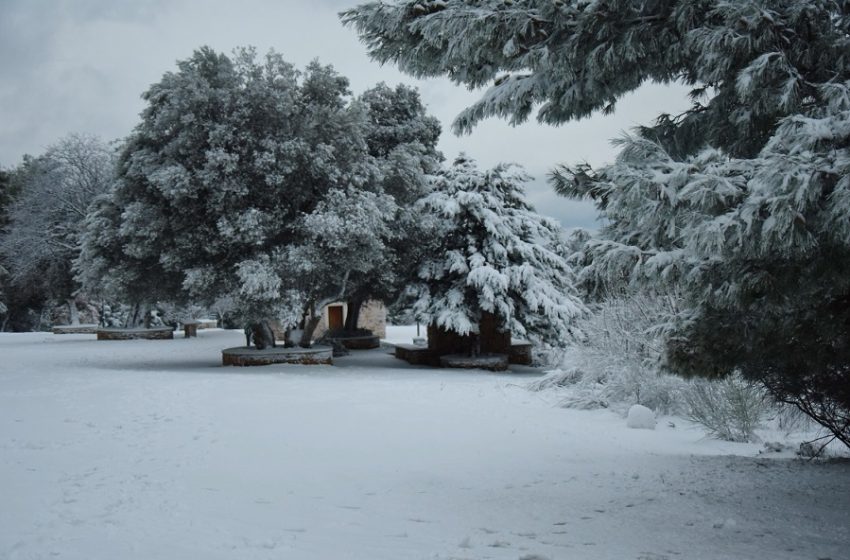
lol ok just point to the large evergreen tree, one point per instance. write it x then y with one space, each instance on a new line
492 254
742 201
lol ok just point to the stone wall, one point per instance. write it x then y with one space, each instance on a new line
157 333
373 316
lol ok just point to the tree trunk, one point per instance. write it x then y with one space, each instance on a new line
74 314
133 318
353 314
309 328
261 334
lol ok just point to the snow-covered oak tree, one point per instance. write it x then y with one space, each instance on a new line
492 254
402 138
47 217
246 179
741 201
214 181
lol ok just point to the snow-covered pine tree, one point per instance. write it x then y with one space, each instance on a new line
492 254
47 217
740 201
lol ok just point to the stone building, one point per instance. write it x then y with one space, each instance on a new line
373 316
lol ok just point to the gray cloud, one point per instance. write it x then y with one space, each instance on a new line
81 66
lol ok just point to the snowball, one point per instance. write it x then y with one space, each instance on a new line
641 418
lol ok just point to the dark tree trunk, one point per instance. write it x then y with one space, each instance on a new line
353 314
261 334
132 318
74 315
309 328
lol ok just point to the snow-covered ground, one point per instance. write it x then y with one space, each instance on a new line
151 450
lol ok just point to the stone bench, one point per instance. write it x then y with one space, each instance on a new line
157 333
365 342
75 329
415 354
492 362
520 353
190 328
250 356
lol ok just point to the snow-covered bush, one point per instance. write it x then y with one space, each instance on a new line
617 361
730 409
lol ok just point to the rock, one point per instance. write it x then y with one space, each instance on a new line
774 447
641 418
807 450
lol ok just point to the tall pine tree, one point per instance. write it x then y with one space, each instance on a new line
492 254
741 201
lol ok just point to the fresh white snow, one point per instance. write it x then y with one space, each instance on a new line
151 449
640 418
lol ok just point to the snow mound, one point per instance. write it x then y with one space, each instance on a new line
641 418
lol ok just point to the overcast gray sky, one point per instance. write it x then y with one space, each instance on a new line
81 66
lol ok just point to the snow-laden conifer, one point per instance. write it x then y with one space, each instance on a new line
740 202
492 253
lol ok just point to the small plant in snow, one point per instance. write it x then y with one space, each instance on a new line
617 360
730 409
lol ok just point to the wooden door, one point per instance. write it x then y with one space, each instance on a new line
335 320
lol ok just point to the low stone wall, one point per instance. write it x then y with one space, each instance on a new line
416 355
492 362
75 329
359 342
249 356
520 353
158 333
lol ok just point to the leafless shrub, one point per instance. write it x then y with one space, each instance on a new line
730 409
